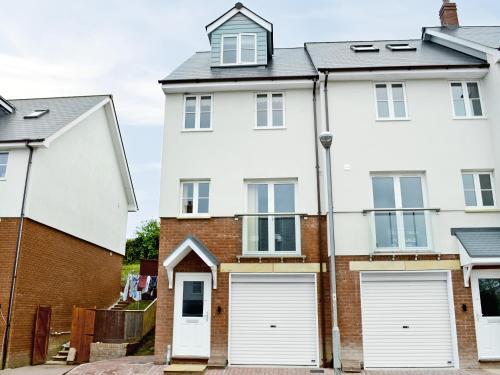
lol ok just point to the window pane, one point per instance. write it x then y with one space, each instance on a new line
190 104
205 103
397 92
284 198
3 169
383 192
229 42
399 109
205 120
487 196
203 197
187 198
247 55
485 181
415 230
248 42
262 102
192 299
459 107
473 90
257 198
277 117
458 99
468 181
3 158
476 107
381 91
229 57
383 109
277 101
203 205
189 122
261 118
470 198
489 292
386 230
411 192
284 234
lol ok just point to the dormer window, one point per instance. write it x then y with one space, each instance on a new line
37 113
239 49
364 48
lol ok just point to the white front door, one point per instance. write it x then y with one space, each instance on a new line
486 299
192 315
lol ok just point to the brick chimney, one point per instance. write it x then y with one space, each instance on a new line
448 14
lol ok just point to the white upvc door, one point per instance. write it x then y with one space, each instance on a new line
486 299
192 304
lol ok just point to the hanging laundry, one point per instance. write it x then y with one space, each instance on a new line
133 292
142 282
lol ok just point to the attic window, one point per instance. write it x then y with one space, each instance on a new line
364 48
401 47
37 113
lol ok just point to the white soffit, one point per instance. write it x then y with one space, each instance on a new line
392 75
203 87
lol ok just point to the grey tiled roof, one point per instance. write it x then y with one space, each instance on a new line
339 55
286 62
488 36
479 242
14 127
204 249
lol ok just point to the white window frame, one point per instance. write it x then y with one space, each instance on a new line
270 202
270 110
196 184
238 49
477 189
390 101
399 214
4 177
197 113
468 108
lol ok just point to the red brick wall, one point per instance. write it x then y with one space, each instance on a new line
59 270
223 237
8 235
348 291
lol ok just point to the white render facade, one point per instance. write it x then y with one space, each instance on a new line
415 161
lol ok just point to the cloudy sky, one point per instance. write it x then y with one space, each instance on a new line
80 47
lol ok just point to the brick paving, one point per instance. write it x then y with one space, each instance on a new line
143 365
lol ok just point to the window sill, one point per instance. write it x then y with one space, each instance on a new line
398 251
194 216
392 119
3 179
470 118
196 130
481 209
269 128
272 255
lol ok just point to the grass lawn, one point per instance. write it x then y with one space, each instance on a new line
128 268
147 345
139 305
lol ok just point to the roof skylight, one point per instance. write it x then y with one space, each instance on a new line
401 47
37 113
364 48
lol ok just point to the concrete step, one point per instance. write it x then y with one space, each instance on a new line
59 357
185 369
59 363
63 351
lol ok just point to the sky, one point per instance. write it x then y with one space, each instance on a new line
81 47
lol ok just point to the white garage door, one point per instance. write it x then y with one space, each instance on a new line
273 320
406 320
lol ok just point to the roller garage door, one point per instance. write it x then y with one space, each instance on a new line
406 320
273 320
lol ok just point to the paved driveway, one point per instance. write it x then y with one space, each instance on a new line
145 366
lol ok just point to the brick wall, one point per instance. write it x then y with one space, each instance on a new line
223 237
59 270
348 289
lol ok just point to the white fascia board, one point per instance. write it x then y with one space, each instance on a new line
439 36
121 157
202 87
255 18
18 145
396 75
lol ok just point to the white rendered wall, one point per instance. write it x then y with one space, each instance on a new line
234 151
431 141
12 186
76 185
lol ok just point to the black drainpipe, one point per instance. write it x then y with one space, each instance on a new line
16 261
320 234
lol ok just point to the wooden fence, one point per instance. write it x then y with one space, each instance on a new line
119 326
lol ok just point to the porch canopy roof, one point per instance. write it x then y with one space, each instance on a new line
478 247
191 243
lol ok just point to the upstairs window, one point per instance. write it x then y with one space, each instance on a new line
466 98
478 189
239 49
198 112
391 101
195 197
4 156
270 109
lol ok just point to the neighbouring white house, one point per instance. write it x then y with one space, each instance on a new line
65 194
246 277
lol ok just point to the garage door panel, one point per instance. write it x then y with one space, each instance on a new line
406 322
273 320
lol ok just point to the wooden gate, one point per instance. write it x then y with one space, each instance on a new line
82 332
41 335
